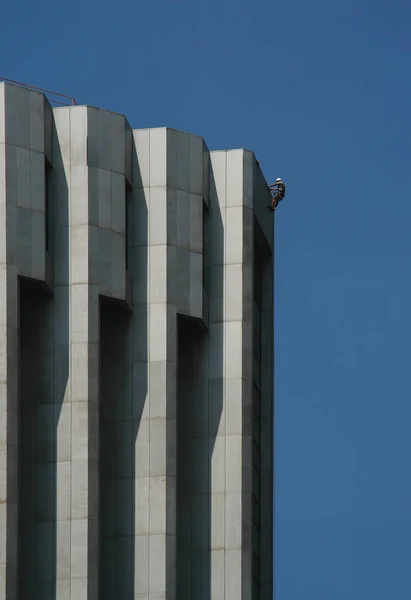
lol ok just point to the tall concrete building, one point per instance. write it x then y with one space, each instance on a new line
136 361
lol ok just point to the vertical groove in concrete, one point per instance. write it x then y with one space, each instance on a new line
37 480
267 441
118 430
193 482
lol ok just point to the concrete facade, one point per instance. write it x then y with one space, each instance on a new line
136 361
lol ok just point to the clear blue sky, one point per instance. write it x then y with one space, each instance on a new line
321 91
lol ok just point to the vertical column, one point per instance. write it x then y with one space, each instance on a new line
153 367
162 356
107 186
8 352
267 420
266 242
84 377
28 113
60 185
77 326
168 273
238 373
141 424
230 442
216 430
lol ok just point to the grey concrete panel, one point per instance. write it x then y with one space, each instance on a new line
11 174
172 217
157 332
78 135
37 125
195 285
92 120
157 262
23 239
234 463
79 206
118 203
182 280
234 235
172 153
217 574
37 181
141 568
233 331
23 177
183 161
38 246
158 157
217 504
196 165
158 379
142 526
118 262
249 169
158 501
235 179
17 126
129 151
2 112
157 218
183 219
157 565
196 223
233 281
118 143
105 264
104 133
233 520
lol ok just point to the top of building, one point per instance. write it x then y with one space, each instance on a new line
55 98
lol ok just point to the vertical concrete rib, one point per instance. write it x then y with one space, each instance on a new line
8 367
76 350
169 198
90 151
22 252
264 238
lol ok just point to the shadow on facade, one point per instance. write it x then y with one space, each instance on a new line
123 393
45 413
200 409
